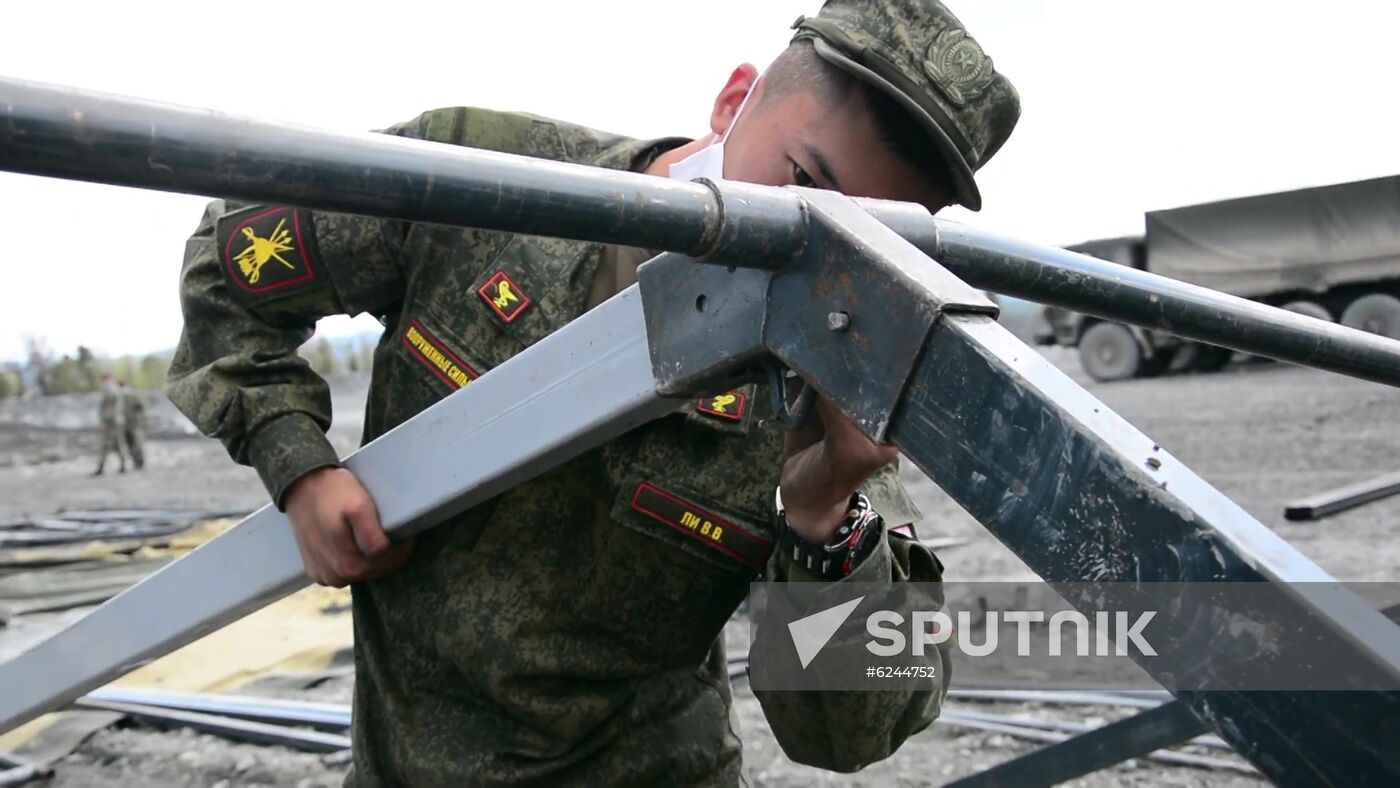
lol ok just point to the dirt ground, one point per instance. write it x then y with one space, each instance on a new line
1262 433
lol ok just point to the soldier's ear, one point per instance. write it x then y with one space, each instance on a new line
728 101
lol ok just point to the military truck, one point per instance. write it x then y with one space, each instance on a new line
1329 252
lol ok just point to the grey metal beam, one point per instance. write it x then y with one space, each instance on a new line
1315 507
19 775
1081 283
323 716
1069 757
1163 725
84 135
227 727
419 473
1078 493
1059 697
1087 506
1191 731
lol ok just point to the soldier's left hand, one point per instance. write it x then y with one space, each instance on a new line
827 461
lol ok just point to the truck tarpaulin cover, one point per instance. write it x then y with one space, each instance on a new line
1305 240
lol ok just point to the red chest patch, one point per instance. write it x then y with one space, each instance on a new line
444 363
705 526
504 296
729 406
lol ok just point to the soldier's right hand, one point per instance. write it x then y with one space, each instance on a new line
337 529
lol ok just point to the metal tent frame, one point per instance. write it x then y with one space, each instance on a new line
759 279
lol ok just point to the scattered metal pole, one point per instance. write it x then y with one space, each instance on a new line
323 716
226 727
1057 697
1316 507
996 776
19 775
1076 727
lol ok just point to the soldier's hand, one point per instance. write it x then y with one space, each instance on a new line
826 464
337 529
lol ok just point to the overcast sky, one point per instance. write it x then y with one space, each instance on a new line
1127 107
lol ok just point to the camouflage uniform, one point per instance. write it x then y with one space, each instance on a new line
569 630
134 426
110 415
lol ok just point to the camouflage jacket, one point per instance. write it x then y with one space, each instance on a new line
133 410
570 629
109 410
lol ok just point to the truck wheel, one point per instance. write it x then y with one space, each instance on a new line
1109 351
1211 358
1378 313
1311 309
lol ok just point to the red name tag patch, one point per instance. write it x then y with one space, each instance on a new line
442 362
707 527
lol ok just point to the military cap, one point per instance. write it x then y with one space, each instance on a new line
919 54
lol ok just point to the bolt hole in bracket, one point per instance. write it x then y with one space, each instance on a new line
746 318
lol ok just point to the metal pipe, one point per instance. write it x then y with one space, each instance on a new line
1051 737
1058 697
227 727
1115 292
81 135
89 136
1074 726
19 775
323 716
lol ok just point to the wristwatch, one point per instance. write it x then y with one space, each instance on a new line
852 541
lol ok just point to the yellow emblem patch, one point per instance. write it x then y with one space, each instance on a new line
266 251
504 296
728 406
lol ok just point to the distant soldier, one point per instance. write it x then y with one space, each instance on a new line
134 424
110 413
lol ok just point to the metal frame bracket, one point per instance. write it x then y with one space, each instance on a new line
876 295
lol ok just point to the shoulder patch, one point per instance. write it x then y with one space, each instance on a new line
705 526
267 250
729 406
443 363
504 296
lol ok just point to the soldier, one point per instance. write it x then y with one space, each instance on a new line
570 629
134 425
110 415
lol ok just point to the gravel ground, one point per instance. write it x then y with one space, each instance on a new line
1262 433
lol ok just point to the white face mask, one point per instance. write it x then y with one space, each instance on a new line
708 162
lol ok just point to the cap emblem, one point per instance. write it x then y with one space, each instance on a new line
958 66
